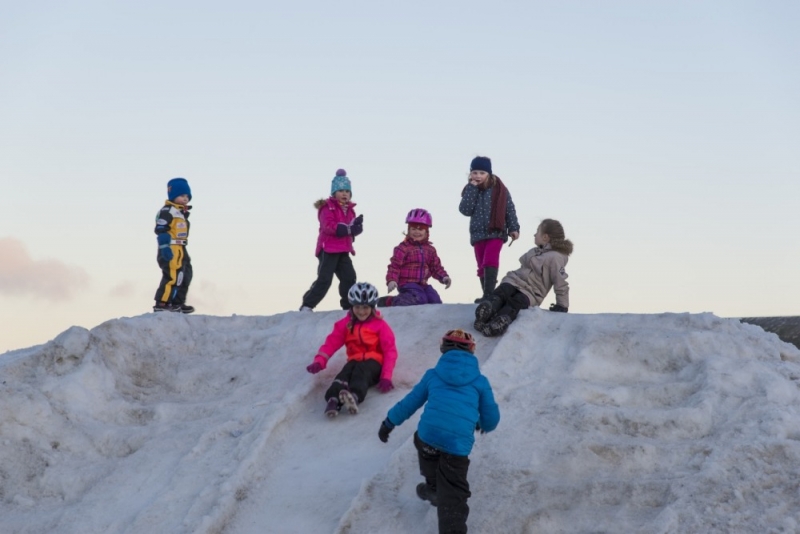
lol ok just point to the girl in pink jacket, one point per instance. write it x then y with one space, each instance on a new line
338 226
413 263
371 352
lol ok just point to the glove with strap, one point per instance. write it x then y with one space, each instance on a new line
357 226
164 249
342 230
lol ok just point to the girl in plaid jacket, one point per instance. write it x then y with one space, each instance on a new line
413 263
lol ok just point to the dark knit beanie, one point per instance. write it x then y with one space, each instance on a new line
177 187
481 163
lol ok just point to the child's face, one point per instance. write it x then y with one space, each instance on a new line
417 232
182 200
362 311
478 177
540 238
342 196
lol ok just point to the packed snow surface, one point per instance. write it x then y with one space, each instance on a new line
610 423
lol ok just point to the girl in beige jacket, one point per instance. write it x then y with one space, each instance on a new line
541 269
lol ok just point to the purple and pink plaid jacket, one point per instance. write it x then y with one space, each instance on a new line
414 262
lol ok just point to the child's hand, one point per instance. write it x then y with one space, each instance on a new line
314 368
385 430
514 236
446 281
391 286
385 385
342 230
357 226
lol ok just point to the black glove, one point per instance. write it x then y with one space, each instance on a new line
342 230
357 225
558 308
386 429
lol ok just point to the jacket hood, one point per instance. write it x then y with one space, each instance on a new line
331 202
564 247
457 367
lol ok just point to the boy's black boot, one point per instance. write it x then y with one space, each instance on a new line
166 306
427 492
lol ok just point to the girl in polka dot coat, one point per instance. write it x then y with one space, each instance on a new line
492 220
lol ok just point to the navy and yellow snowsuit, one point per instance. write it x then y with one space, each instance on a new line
176 274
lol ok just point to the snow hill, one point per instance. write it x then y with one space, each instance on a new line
668 423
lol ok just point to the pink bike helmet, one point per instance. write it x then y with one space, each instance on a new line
419 216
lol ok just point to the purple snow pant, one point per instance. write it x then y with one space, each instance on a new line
412 294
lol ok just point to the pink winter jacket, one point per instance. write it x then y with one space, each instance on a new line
330 214
372 339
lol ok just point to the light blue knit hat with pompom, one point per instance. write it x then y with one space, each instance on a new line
340 182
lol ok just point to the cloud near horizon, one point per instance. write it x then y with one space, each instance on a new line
21 275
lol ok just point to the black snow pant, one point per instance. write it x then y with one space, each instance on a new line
356 376
176 275
508 300
339 264
448 474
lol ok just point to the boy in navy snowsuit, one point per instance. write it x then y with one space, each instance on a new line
172 232
458 401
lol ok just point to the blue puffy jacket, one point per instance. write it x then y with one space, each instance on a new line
458 397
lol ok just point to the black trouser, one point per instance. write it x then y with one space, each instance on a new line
176 275
339 264
358 377
508 300
448 474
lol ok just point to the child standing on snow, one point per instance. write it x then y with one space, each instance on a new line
371 352
492 219
172 231
541 268
414 261
459 402
338 226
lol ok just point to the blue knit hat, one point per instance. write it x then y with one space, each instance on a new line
177 187
340 182
481 163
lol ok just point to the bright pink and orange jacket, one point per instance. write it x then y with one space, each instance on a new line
414 262
330 214
372 339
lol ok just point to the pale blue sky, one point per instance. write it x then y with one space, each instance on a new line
663 135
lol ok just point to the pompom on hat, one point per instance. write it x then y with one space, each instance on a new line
341 182
177 187
457 340
481 163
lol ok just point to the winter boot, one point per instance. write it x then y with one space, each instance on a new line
497 326
185 308
477 300
489 281
427 492
332 409
349 401
166 306
384 302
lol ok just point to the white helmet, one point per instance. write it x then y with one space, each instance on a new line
363 293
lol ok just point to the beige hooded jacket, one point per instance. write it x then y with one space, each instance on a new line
540 270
